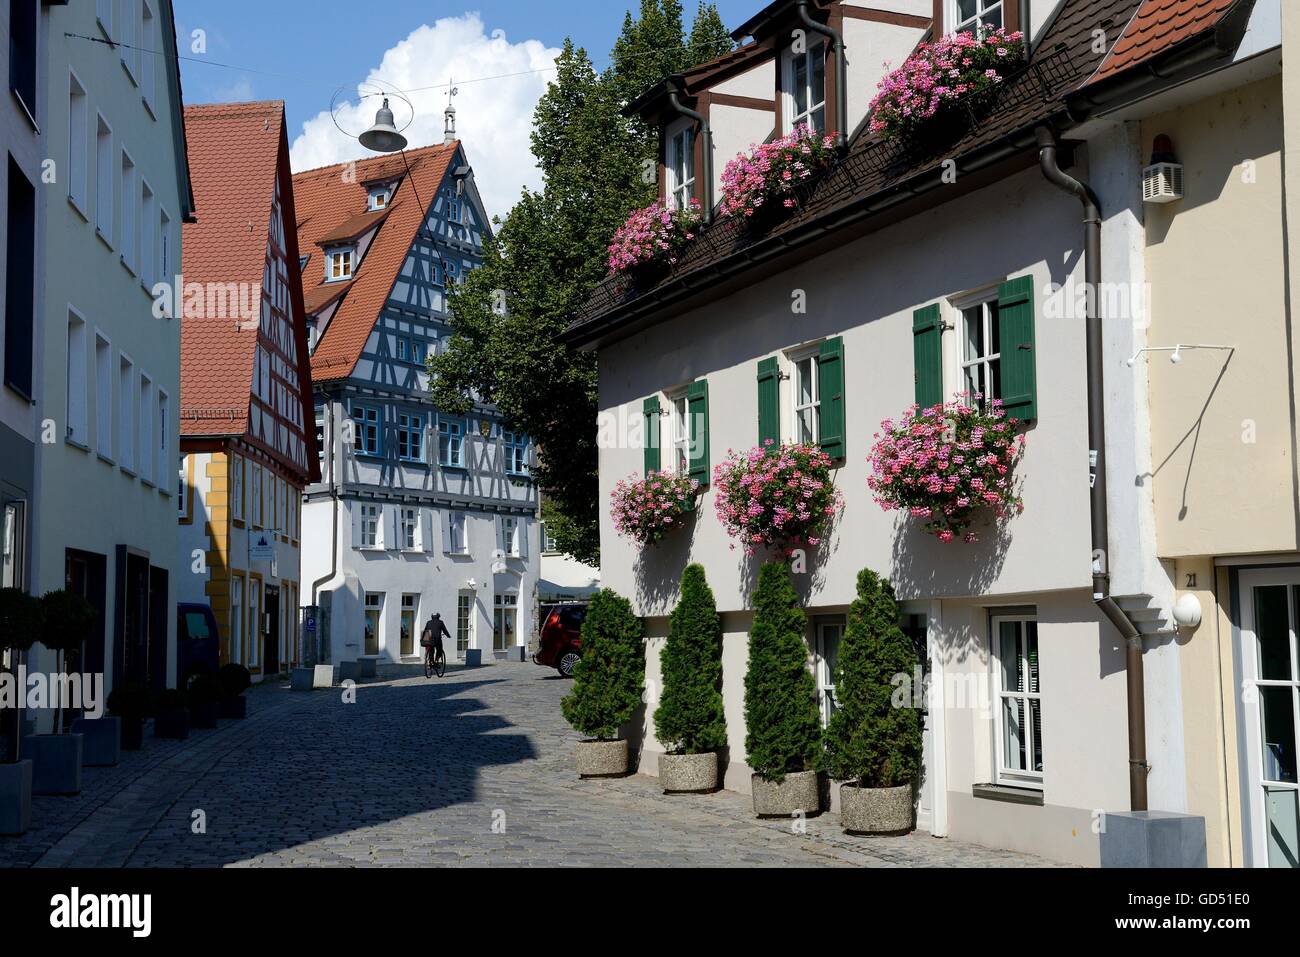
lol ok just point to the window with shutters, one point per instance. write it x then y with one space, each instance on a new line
991 351
410 529
369 526
806 397
679 433
981 350
1019 719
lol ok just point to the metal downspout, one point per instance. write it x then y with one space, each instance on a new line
841 72
334 523
706 132
1137 733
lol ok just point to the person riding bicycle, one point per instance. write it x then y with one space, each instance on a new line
434 631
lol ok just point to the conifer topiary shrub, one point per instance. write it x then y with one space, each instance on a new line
607 681
689 719
782 725
870 742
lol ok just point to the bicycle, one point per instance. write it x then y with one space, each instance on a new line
435 662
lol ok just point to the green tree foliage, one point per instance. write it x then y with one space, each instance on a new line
782 724
870 740
544 260
689 718
22 618
709 37
607 681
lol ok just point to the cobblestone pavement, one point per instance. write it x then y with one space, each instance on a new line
418 772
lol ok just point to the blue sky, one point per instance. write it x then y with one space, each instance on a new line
303 52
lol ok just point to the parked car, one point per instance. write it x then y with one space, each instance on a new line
198 646
560 641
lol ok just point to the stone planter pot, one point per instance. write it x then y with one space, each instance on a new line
172 724
602 759
689 773
132 734
235 708
15 797
102 741
876 810
203 714
797 792
56 762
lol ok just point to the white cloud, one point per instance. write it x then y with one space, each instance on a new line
494 116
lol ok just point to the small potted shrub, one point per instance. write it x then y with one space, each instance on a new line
773 178
204 693
20 627
235 680
782 723
647 509
689 721
171 714
649 244
946 464
873 743
57 758
607 684
131 704
776 496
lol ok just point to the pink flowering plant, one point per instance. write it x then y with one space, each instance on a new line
776 496
947 463
965 66
772 173
654 237
646 509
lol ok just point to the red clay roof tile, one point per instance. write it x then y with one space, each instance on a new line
1156 26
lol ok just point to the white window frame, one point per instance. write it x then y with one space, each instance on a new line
78 143
679 432
237 618
130 239
164 246
182 491
985 299
511 529
825 629
76 391
148 244
237 488
410 521
103 396
144 434
464 621
795 359
679 151
504 605
126 415
129 27
345 258
455 434
516 452
983 10
163 413
259 502
148 65
792 117
371 524
377 606
458 533
105 179
1015 777
378 199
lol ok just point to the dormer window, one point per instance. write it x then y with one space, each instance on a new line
975 15
338 264
379 196
805 84
679 161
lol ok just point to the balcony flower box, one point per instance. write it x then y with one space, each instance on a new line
946 464
772 179
646 509
776 496
943 87
649 244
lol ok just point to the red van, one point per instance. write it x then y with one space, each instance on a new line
560 644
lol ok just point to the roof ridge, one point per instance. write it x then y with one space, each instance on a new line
234 106
421 152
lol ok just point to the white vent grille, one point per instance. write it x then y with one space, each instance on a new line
1162 183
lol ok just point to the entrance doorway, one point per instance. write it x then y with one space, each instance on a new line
917 628
1270 660
271 643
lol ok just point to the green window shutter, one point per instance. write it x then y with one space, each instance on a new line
830 384
769 401
927 356
650 410
1016 319
697 410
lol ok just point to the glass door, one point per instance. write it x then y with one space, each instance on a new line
1271 703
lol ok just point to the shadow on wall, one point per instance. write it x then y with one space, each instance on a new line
658 568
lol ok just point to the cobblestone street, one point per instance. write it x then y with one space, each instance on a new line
416 773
